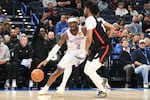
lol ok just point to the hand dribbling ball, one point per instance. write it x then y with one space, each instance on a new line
37 75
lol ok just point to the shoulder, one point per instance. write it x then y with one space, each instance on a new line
90 19
4 45
90 23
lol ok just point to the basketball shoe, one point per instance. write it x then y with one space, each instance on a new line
43 91
101 94
60 91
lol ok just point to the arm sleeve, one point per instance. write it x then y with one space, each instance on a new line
52 52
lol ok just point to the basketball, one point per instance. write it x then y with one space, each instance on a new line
37 75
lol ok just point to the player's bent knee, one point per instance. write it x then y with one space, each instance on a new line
87 71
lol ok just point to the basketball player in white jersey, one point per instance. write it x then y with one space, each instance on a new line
75 38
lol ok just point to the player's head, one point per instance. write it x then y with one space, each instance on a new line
90 8
73 23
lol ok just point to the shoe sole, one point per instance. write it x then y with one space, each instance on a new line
42 94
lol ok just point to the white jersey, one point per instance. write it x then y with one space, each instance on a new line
75 43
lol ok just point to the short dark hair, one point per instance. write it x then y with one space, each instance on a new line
92 6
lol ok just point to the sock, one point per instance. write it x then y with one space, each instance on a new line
66 75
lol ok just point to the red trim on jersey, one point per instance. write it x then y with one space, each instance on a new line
104 54
99 37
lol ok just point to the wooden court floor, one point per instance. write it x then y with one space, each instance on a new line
113 94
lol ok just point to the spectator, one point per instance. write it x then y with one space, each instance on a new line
127 27
2 16
45 3
141 60
127 63
49 8
135 27
102 5
118 49
132 11
19 33
51 37
1 30
129 2
121 11
22 60
13 39
117 31
60 25
140 19
4 61
40 45
7 28
113 4
125 33
133 44
79 9
66 3
130 36
141 36
6 38
147 42
146 26
52 20
146 10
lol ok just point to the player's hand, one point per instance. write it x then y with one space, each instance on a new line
43 63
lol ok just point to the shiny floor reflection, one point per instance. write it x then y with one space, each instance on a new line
113 94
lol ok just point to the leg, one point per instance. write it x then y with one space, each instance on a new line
51 79
14 68
129 75
7 69
67 63
54 76
90 70
67 73
144 70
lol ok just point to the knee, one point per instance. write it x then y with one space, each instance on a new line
88 71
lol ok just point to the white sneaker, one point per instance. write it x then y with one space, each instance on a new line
60 91
43 92
14 85
30 83
145 85
7 85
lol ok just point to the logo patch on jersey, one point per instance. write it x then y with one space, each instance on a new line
79 33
